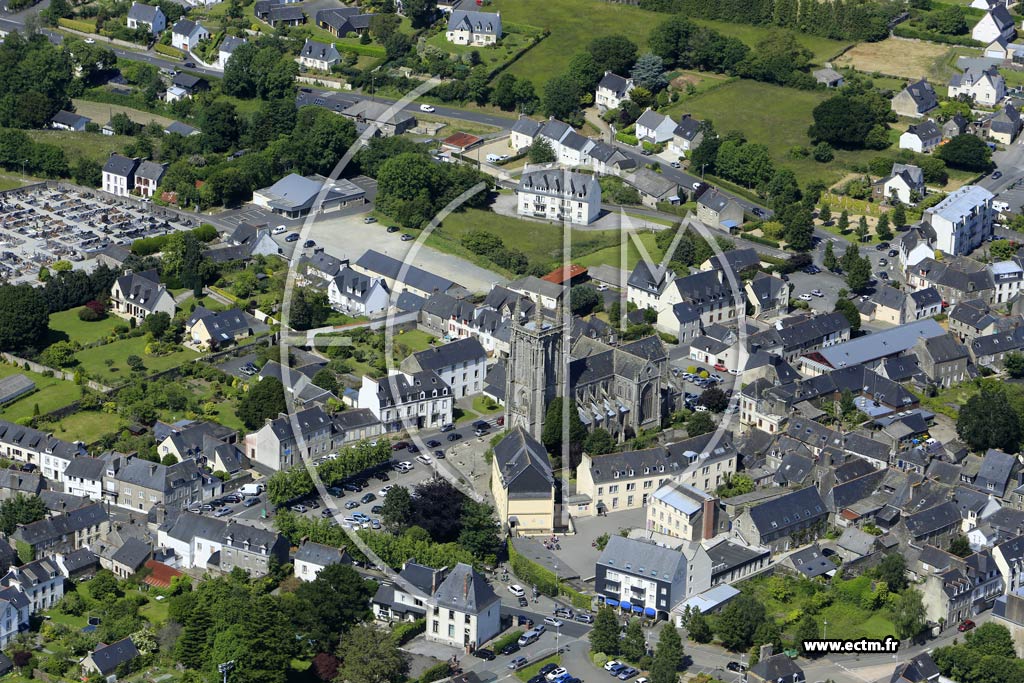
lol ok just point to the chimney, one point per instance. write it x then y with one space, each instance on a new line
465 586
710 513
765 652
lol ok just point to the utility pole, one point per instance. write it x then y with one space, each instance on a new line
225 668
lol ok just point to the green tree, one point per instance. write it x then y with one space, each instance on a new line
844 221
368 658
583 299
421 13
155 324
892 570
479 533
504 93
561 98
908 614
843 122
24 317
825 214
739 621
988 420
540 152
649 72
615 53
899 215
806 631
60 354
858 274
190 648
966 152
668 655
1013 362
104 586
633 645
604 637
949 20
993 639
799 224
20 509
552 434
264 399
698 628
960 547
848 309
327 380
1002 250
862 229
829 259
87 172
882 229
599 442
336 600
397 512
699 423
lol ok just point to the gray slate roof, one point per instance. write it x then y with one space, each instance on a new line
133 553
465 590
523 465
392 268
141 12
790 510
634 556
120 165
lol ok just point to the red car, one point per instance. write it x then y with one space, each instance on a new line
721 367
965 625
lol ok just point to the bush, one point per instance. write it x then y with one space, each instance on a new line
763 240
627 138
168 50
600 659
78 25
88 315
904 31
435 673
407 630
507 639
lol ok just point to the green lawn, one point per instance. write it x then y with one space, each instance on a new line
529 672
92 359
86 426
414 340
95 146
485 406
824 49
51 393
948 401
67 323
494 56
612 256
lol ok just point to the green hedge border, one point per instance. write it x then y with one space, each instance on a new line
547 583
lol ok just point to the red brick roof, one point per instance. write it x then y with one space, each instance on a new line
160 574
560 275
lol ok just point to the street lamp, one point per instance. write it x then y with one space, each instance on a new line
225 668
558 629
824 635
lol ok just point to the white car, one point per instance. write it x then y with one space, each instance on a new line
611 664
817 292
555 673
425 459
553 621
427 108
805 297
517 590
89 41
700 409
280 230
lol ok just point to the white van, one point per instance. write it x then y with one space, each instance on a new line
493 158
517 590
251 489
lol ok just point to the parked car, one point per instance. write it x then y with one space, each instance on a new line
292 237
530 636
354 488
447 428
523 602
965 625
612 663
483 653
279 230
585 618
731 666
996 175
299 508
326 512
308 244
882 275
351 504
674 164
555 673
614 671
223 512
563 613
433 443
249 502
439 454
893 252
190 65
426 108
547 668
805 297
817 292
393 228
368 498
882 246
454 436
627 673
509 649
377 509
406 237
517 590
425 459
369 219
721 367
399 445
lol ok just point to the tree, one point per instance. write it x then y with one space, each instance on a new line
882 228
843 122
183 259
862 229
633 645
799 224
699 423
698 628
858 274
327 380
331 604
992 639
604 637
806 631
966 152
583 299
825 214
848 309
949 20
615 53
988 420
552 434
310 308
599 442
908 614
893 571
668 655
104 586
1002 250
220 125
739 621
20 509
1013 362
714 399
264 399
540 151
87 172
420 12
844 221
504 93
24 317
190 649
960 547
829 259
155 324
899 215
561 97
649 72
480 529
437 508
60 354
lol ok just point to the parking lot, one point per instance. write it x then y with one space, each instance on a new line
40 225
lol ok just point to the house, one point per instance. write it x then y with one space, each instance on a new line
686 512
138 484
905 183
686 137
641 577
318 56
207 543
1009 558
366 113
915 100
921 137
14 618
465 610
523 133
971 319
808 563
997 23
990 350
119 175
353 292
719 210
885 304
1008 280
654 127
984 86
406 599
828 77
955 279
767 295
136 295
311 558
275 446
186 34
105 660
653 188
1005 125
227 48
65 120
254 240
957 125
962 221
148 17
523 485
924 303
61 533
217 329
920 669
408 400
612 90
792 337
40 581
179 128
942 359
558 195
785 522
780 668
294 196
461 364
413 279
936 525
148 176
869 348
468 27
130 557
343 21
189 84
32 446
283 14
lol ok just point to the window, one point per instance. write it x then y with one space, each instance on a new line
433 627
451 630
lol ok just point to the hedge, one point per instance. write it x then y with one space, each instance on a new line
507 639
522 29
368 50
407 630
546 582
904 31
168 51
78 25
436 673
762 240
627 138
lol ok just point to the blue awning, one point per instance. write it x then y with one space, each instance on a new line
624 605
638 609
650 611
611 603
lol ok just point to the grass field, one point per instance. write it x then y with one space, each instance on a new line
894 56
414 340
66 324
824 49
81 145
101 113
51 393
493 57
93 360
456 125
86 426
9 181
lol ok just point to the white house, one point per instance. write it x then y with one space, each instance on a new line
227 48
318 56
40 582
358 294
136 295
654 127
905 181
409 401
921 137
186 34
462 364
467 612
311 558
467 27
984 86
997 23
612 90
146 16
66 120
119 175
559 195
686 136
962 221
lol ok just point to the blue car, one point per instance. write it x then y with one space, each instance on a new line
615 669
562 679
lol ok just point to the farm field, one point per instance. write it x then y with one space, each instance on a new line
895 57
100 113
95 146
